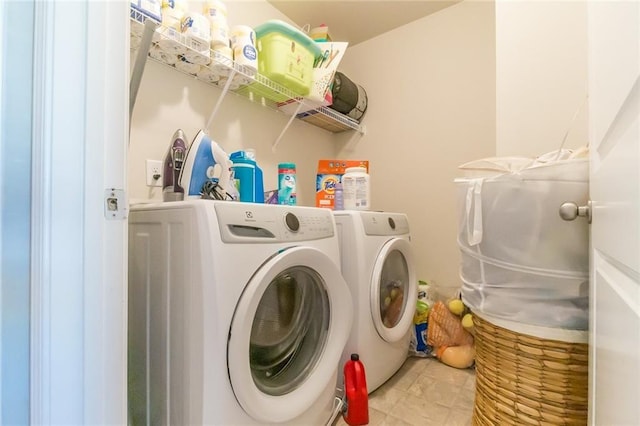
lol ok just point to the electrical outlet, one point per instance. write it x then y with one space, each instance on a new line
154 173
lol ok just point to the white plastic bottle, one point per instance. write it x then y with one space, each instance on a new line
356 189
338 197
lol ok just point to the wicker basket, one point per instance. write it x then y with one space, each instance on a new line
525 380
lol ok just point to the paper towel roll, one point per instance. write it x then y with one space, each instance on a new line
185 66
197 44
200 58
220 69
241 79
222 62
172 47
223 54
232 86
207 75
160 55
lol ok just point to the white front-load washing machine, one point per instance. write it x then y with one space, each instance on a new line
378 265
238 314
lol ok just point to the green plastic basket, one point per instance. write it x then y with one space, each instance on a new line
286 55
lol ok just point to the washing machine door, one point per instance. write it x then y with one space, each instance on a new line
287 334
393 290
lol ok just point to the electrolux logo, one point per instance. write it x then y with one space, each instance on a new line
248 214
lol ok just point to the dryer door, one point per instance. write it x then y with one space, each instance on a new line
287 334
393 290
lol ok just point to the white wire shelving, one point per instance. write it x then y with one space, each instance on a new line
217 70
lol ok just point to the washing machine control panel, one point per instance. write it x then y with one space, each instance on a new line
267 223
307 226
383 223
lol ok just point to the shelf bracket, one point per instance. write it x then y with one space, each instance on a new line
141 60
225 90
295 114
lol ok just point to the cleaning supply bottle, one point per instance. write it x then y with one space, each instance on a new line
355 389
287 184
338 197
356 186
232 191
248 177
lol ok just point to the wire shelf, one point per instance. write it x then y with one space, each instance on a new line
215 69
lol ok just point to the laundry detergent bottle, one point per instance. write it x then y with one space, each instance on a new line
248 177
355 390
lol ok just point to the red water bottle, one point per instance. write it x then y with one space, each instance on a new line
355 390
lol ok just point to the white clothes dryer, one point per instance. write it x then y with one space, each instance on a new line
378 265
238 314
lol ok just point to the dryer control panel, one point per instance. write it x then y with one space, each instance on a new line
268 223
383 223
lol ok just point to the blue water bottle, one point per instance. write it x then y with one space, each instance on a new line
287 184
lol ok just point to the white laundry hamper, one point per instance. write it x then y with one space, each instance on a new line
520 260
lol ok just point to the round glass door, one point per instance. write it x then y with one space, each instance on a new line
289 330
393 290
287 334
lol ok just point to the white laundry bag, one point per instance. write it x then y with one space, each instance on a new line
520 260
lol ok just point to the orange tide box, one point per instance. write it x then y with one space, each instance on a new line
329 173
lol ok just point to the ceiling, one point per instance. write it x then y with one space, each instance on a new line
355 21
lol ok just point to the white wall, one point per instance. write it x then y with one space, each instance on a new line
474 80
168 100
541 76
431 90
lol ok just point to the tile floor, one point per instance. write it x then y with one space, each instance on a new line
423 392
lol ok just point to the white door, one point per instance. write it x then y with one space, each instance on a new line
614 117
287 334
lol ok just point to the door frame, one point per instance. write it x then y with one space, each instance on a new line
79 253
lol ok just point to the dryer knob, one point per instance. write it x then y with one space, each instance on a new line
292 222
392 223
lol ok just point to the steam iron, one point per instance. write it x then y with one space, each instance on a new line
173 162
206 169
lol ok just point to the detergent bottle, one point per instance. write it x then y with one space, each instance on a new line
248 177
355 390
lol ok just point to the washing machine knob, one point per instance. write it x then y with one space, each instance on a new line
392 223
292 222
